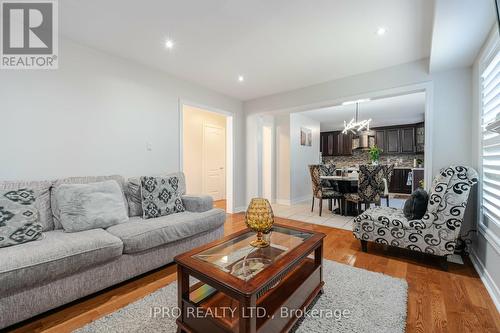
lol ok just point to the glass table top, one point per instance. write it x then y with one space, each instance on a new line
237 257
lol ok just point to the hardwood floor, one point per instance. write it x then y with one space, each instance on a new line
438 301
220 204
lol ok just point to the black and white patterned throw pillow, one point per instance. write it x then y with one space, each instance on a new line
18 217
160 196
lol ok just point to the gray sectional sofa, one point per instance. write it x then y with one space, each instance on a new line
62 267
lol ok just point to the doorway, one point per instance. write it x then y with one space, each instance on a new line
206 153
213 161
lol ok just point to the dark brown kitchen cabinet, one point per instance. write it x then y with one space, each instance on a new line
335 143
323 144
400 139
345 144
393 143
326 140
418 175
399 180
338 144
407 140
331 144
380 139
420 138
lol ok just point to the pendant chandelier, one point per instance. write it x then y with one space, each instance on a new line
355 125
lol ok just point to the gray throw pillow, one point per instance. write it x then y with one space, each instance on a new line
134 196
160 196
416 206
18 217
90 206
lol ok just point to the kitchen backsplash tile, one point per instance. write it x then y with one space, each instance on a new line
363 157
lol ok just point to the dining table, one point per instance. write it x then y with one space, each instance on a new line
346 184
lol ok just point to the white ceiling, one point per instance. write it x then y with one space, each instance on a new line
459 30
277 45
398 110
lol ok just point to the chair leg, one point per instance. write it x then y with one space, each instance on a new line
359 207
443 263
387 200
320 206
312 206
330 204
364 245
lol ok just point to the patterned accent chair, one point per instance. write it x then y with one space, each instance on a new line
370 186
323 189
437 232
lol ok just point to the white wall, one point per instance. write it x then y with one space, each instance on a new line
261 158
194 120
283 159
290 174
397 76
486 246
452 108
95 115
253 158
268 158
302 156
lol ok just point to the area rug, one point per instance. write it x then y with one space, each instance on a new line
354 300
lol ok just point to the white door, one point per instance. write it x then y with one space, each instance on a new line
214 161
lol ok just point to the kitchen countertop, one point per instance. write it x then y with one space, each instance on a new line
396 167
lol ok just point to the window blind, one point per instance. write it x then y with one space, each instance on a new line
490 95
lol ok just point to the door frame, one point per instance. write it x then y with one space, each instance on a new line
203 158
230 140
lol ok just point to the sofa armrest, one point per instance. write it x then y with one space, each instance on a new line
197 203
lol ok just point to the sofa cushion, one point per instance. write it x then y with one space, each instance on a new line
389 218
42 201
138 234
81 180
197 203
160 196
18 217
90 206
57 254
134 196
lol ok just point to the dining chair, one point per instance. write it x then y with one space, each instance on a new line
370 186
323 189
387 183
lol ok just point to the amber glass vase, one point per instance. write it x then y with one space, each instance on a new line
259 218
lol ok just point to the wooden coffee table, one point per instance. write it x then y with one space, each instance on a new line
243 289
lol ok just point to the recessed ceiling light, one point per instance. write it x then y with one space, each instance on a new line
169 44
241 78
381 31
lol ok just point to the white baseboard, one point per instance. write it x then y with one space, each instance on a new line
286 202
488 282
239 209
301 199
